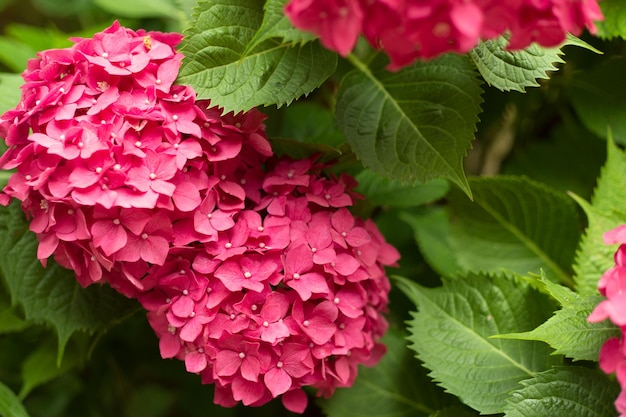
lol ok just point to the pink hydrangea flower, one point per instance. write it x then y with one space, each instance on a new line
251 268
612 285
416 29
280 311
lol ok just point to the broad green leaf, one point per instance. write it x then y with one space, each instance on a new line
10 405
517 70
139 8
62 8
455 412
305 122
599 97
9 321
614 23
606 211
397 386
15 55
560 293
276 25
451 333
564 392
384 191
52 295
415 124
431 227
38 38
569 332
513 224
10 91
41 366
514 70
220 68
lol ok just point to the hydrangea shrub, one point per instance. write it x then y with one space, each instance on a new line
251 185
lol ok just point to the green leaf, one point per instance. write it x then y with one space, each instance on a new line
560 293
599 98
517 70
451 333
9 321
41 366
397 386
14 54
415 124
52 295
306 122
431 227
614 23
220 67
139 8
10 405
10 92
455 412
276 25
514 224
39 38
606 212
569 332
387 192
514 70
564 392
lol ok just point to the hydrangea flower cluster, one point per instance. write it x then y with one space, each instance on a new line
284 294
251 267
612 285
417 29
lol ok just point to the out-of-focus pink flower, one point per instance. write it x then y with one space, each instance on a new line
337 22
416 29
612 356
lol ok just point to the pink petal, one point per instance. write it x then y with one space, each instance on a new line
308 284
108 236
295 401
247 392
191 330
183 307
227 362
358 237
195 362
250 368
346 264
611 355
169 345
155 250
275 307
186 197
277 381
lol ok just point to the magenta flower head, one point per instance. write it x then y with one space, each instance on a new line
422 29
285 292
612 285
252 269
112 156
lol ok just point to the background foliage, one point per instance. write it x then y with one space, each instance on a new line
489 303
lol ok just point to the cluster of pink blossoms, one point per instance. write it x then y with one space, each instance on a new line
251 268
612 285
421 29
